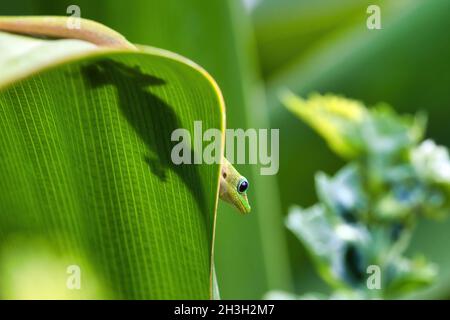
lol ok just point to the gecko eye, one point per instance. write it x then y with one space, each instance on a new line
242 185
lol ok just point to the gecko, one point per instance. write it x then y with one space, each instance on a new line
232 185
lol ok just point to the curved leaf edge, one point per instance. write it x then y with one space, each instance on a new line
101 52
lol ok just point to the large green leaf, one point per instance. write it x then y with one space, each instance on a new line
251 255
86 176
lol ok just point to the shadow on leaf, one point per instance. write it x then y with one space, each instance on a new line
152 119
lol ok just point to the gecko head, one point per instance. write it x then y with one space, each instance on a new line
233 189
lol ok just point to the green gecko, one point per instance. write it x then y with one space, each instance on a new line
233 186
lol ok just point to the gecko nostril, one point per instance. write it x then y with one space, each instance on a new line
224 175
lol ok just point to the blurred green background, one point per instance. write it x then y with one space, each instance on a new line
255 47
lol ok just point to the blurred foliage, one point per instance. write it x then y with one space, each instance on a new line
367 211
287 30
404 64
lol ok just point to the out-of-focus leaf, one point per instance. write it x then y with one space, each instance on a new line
351 130
388 135
404 276
288 31
336 119
343 194
86 175
334 246
431 162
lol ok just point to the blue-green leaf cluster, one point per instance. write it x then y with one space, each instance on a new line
367 211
